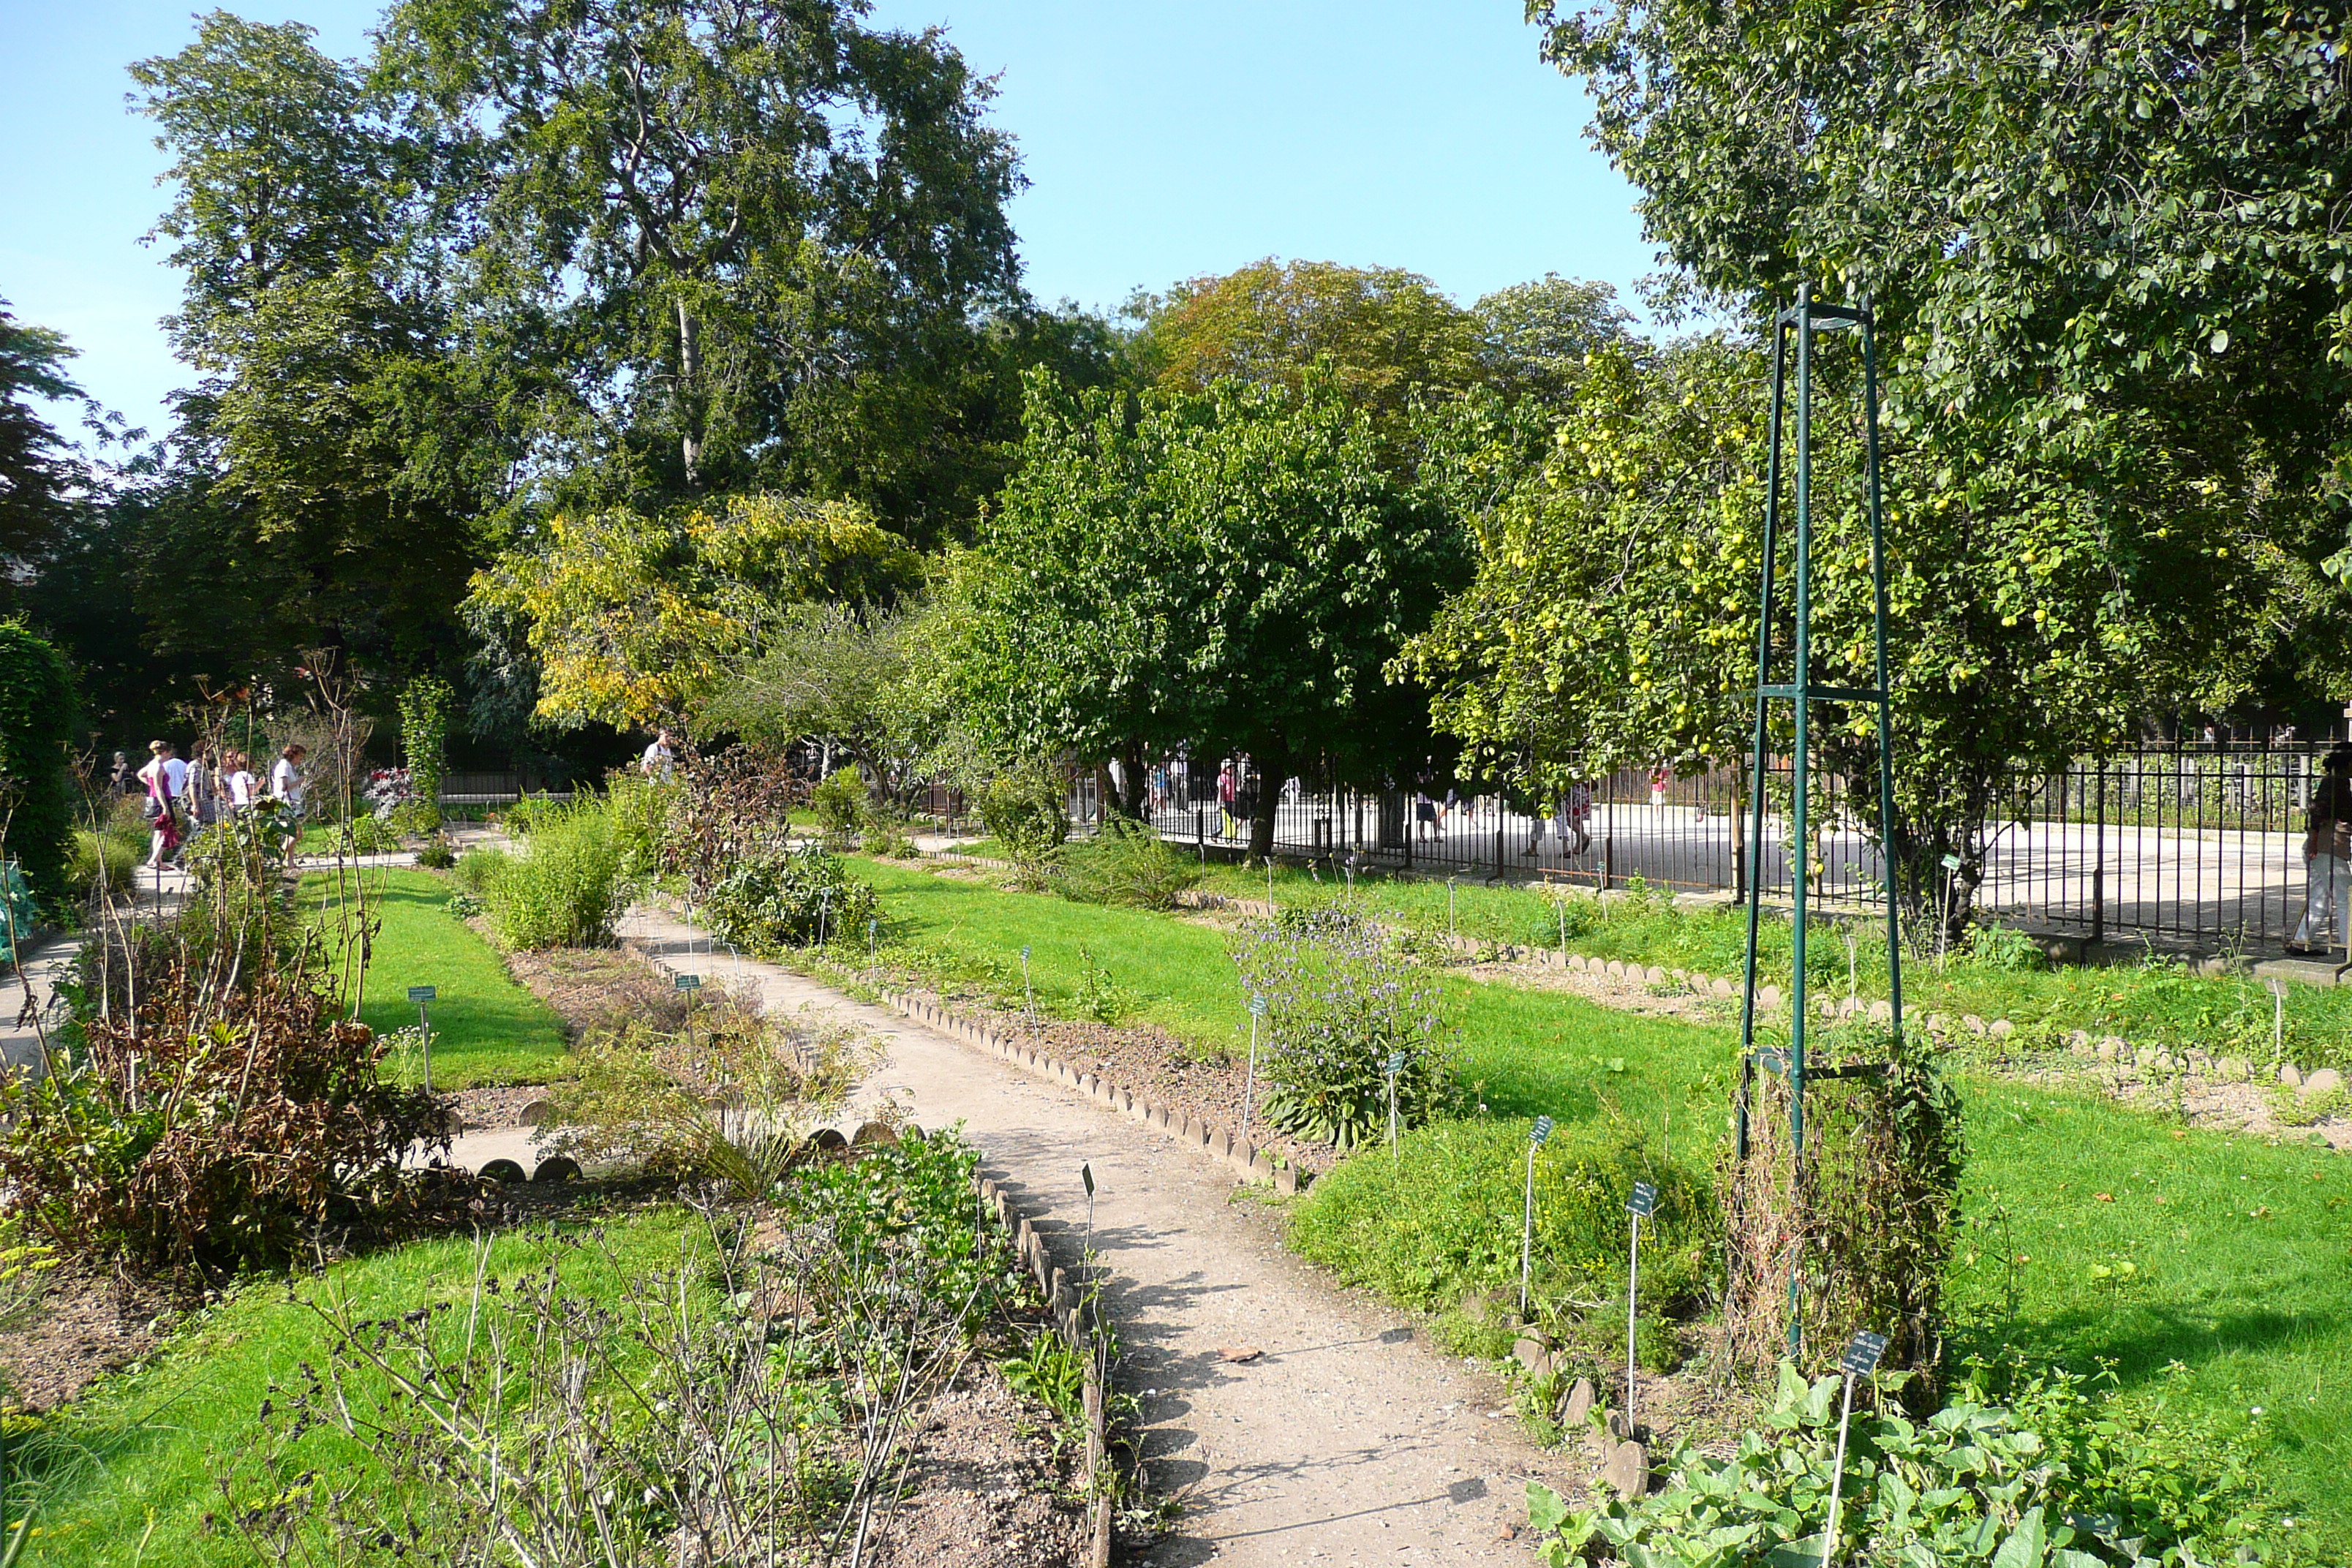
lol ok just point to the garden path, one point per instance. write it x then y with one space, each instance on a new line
1349 1440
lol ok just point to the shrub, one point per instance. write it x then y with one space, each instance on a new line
1023 812
424 704
789 901
103 862
477 867
1126 864
1341 1002
840 804
2053 1478
567 890
435 854
640 812
1446 1220
216 1124
37 718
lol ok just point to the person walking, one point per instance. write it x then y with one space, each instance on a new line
286 789
2327 859
202 803
123 777
1228 791
660 760
162 779
241 784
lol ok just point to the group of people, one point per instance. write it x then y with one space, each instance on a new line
186 796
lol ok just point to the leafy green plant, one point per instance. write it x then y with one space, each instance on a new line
1126 864
477 867
36 719
435 855
1051 1372
789 901
424 705
2058 1479
566 891
1445 1220
102 861
1100 997
840 804
1340 1004
1023 811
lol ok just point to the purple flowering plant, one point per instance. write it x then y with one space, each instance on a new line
1341 999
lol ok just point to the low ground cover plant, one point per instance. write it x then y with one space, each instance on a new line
2049 1479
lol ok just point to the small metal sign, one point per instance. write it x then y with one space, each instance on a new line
423 994
1396 1064
1861 1354
687 982
1258 1004
1644 1201
1540 1133
1951 862
1087 1174
1025 953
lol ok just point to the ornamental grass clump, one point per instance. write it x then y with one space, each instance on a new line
1126 865
1341 1003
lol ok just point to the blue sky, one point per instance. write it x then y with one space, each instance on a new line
1161 141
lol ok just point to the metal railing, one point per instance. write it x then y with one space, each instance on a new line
2192 846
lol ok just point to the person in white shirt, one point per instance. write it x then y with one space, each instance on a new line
660 760
286 788
241 782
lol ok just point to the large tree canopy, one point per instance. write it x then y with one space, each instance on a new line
2121 217
1231 570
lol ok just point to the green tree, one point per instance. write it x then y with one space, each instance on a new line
2074 220
2038 606
39 471
36 722
1232 569
1535 337
839 676
1384 333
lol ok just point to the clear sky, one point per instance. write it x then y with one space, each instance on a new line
1160 141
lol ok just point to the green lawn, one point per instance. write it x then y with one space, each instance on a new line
486 1029
129 1474
2242 1277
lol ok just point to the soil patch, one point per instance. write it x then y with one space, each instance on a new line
984 1487
590 986
81 1326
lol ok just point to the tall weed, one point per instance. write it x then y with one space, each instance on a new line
566 890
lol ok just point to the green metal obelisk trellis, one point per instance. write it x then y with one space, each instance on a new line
1798 326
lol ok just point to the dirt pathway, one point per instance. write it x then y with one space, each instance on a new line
1348 1440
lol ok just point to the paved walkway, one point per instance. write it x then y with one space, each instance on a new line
1349 1440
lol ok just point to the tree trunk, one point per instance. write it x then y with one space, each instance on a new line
1133 796
690 379
1272 767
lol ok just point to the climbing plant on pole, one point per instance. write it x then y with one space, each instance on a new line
36 713
424 705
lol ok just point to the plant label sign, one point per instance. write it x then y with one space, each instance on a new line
1643 1203
1087 1174
423 994
1861 1354
687 982
1540 1133
1395 1064
1258 1004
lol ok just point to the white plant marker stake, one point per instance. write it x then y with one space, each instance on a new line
1642 1205
1394 1066
1450 933
1027 989
823 909
1861 1354
1249 1082
2278 1018
423 996
1536 1135
873 947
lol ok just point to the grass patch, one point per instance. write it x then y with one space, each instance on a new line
129 1475
486 1029
2241 1291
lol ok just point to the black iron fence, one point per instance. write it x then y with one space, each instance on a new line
2190 846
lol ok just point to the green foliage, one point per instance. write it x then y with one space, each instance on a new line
435 855
841 804
1099 997
1051 1372
477 867
913 1197
1536 338
105 862
1025 810
486 1029
640 812
424 704
834 672
1339 1003
789 901
1446 1219
37 468
1126 864
1232 569
37 718
566 890
2058 1479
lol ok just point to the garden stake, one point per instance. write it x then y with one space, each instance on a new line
1861 1354
1639 1207
2278 1020
1249 1082
1395 1065
1026 988
1087 1174
423 996
1535 1137
1451 933
824 908
873 947
692 986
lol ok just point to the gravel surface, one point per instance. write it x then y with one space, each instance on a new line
81 1326
985 1488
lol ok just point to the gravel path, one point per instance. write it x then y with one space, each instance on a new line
1348 1440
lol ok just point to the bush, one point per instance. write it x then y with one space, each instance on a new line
1341 1002
840 804
567 890
477 867
1126 864
788 900
424 704
104 862
1023 812
435 854
217 1124
36 719
1447 1219
640 812
2053 1478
